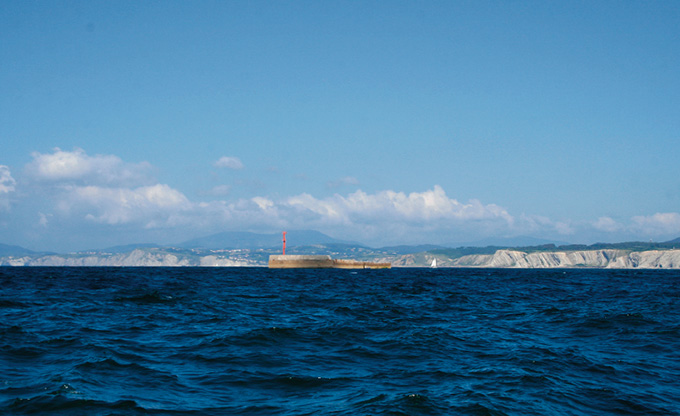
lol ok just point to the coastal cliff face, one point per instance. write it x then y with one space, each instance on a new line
611 259
606 258
135 258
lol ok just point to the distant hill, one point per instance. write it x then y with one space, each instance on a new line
8 250
638 246
253 249
403 249
128 247
246 240
519 241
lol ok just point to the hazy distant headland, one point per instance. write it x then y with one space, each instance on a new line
244 249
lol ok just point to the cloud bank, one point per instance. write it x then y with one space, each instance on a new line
7 182
658 224
102 189
7 186
151 205
105 191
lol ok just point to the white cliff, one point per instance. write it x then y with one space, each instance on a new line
607 258
134 258
653 259
622 259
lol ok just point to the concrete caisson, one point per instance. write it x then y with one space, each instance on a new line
320 262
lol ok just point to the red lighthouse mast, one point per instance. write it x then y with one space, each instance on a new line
284 243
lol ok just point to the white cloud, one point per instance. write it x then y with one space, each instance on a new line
382 217
347 180
229 162
7 182
154 206
104 189
564 228
659 224
608 225
390 215
7 186
263 203
78 167
253 214
431 205
220 190
43 219
539 225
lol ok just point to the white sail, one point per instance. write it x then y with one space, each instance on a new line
434 263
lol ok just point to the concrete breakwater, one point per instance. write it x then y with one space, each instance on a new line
320 262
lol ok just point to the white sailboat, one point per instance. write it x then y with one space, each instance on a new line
433 265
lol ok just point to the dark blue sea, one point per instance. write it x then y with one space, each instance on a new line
254 341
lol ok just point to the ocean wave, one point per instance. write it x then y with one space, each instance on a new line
148 298
319 342
60 405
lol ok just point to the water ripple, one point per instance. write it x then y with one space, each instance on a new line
250 341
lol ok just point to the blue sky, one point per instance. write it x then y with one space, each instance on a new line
381 122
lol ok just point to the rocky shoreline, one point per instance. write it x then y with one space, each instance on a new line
504 258
603 259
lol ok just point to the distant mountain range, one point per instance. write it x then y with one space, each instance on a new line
228 240
519 241
246 240
8 250
253 249
404 249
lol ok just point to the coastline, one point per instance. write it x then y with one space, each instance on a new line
505 258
